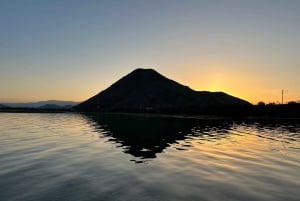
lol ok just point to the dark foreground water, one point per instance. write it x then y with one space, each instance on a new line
73 157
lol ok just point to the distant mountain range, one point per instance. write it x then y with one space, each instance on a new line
50 104
147 90
2 106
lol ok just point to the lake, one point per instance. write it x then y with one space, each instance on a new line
66 156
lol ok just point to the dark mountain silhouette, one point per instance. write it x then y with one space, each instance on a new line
147 90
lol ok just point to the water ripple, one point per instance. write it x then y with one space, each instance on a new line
121 157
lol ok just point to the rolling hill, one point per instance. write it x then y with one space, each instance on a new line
58 103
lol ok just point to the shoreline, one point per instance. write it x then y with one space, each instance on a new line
163 115
198 116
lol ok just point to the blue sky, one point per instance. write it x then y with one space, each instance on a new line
71 50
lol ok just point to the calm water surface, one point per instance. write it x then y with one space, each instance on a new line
126 158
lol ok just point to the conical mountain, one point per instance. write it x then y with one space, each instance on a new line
147 90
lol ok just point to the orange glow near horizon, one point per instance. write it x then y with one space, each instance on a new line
233 79
212 79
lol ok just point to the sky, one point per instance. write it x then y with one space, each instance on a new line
72 50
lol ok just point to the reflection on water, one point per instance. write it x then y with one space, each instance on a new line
145 136
70 157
